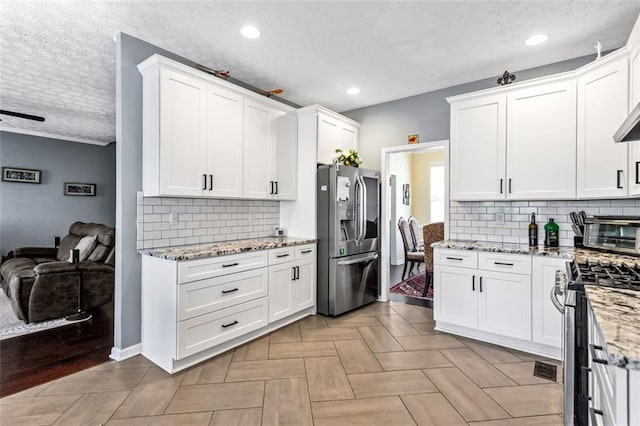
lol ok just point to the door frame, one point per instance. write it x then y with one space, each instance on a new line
385 205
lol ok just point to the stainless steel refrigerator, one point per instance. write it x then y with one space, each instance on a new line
348 231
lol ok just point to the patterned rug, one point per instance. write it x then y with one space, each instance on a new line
413 287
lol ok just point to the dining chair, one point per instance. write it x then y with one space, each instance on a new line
412 256
431 233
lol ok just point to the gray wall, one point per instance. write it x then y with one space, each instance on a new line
31 215
388 124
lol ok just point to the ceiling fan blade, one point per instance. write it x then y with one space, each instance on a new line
21 115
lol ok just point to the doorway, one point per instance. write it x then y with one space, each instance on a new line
415 183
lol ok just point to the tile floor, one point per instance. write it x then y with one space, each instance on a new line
381 365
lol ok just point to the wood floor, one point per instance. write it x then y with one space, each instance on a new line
37 358
381 365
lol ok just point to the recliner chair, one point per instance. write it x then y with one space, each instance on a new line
43 285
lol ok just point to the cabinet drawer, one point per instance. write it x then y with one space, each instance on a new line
204 296
206 331
193 270
463 259
306 253
500 262
281 255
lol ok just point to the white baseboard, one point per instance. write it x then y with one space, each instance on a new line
118 354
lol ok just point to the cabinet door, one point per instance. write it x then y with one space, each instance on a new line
456 301
541 142
504 304
224 143
634 147
260 134
281 302
183 103
328 137
546 319
304 295
478 148
603 96
287 157
347 137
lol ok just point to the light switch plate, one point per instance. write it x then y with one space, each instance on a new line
173 218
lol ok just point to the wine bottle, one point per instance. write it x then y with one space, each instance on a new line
551 234
533 231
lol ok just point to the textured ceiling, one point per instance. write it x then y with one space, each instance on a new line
57 58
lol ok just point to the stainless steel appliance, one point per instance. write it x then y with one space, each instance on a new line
348 230
617 235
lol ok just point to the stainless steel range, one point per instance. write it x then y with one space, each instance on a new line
611 260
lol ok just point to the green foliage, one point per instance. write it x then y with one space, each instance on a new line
350 158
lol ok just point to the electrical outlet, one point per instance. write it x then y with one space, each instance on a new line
499 218
173 218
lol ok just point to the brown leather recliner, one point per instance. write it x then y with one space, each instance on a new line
43 285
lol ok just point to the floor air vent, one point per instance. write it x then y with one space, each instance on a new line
545 371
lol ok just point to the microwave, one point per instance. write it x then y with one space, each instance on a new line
619 234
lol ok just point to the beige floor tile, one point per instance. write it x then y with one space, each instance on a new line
530 400
326 379
137 361
34 391
288 334
243 417
356 357
522 373
286 402
432 409
152 396
491 353
313 321
302 349
93 408
367 385
212 371
523 356
397 326
376 309
412 360
265 370
425 327
477 369
465 396
353 320
217 396
379 339
41 410
413 313
191 419
524 421
315 334
435 341
255 350
370 411
116 379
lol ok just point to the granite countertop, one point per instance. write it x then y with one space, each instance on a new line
512 248
198 251
582 255
616 311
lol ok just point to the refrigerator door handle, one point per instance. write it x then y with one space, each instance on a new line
358 194
359 260
363 218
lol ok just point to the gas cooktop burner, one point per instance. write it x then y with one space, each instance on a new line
609 275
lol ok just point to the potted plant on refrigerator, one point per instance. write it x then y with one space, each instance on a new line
349 158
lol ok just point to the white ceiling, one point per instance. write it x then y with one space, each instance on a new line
57 58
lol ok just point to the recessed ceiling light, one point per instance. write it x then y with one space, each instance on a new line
249 31
353 91
536 39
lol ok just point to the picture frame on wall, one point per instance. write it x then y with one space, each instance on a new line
406 194
13 174
81 189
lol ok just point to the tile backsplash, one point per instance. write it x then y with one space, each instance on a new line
202 220
476 220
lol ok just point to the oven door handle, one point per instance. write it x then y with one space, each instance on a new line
554 292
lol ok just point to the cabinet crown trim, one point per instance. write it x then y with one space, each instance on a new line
314 109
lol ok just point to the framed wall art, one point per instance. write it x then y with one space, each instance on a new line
12 174
86 189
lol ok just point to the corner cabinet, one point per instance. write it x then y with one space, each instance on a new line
335 131
205 137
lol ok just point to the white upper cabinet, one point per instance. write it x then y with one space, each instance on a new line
634 99
287 176
541 142
335 132
478 148
603 102
260 133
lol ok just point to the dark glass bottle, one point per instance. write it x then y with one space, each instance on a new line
551 234
533 231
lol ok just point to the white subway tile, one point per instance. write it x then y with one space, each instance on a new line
161 209
599 203
178 241
152 201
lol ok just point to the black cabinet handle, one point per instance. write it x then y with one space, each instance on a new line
503 263
204 185
271 185
509 185
473 283
279 256
293 273
480 284
297 272
276 182
305 251
618 179
454 258
638 172
228 265
230 324
233 290
501 186
210 182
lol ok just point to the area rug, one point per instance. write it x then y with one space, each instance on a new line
413 287
10 326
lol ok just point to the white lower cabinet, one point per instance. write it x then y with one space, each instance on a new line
195 309
546 319
488 296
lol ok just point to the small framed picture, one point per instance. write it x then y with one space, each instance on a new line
412 138
12 174
87 189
